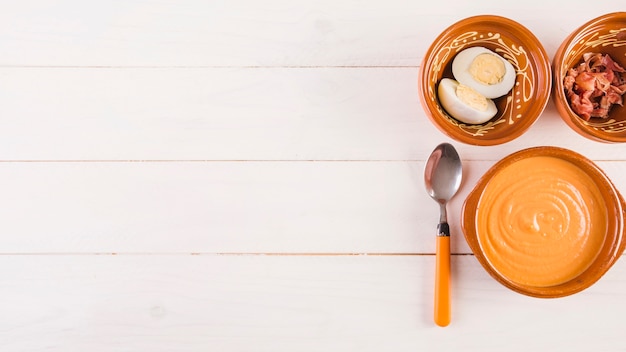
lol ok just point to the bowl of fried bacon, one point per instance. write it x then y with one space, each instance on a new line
589 79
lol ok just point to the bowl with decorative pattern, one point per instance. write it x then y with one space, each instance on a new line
588 89
517 110
545 222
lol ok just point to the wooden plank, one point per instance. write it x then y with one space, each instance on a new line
247 176
226 207
249 33
285 303
216 207
236 114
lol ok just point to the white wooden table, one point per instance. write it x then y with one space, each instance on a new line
248 176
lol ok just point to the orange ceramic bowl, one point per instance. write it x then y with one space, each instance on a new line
554 239
519 109
607 35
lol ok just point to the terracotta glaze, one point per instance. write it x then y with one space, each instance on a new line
519 109
605 34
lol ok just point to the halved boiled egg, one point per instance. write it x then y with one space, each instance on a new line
485 71
464 103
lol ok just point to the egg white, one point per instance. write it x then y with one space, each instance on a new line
460 69
460 110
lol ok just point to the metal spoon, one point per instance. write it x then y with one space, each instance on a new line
442 177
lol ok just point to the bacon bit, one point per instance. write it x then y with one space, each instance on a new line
595 85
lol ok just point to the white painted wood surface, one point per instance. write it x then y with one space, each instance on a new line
247 176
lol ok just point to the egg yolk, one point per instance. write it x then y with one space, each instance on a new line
487 68
471 97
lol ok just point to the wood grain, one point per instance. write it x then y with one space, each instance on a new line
228 207
282 303
247 176
236 114
274 33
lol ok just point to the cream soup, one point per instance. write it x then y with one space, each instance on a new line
541 221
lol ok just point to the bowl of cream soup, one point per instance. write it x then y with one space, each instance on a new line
545 222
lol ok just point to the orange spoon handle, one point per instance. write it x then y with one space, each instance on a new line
442 281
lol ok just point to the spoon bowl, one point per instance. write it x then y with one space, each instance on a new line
442 178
